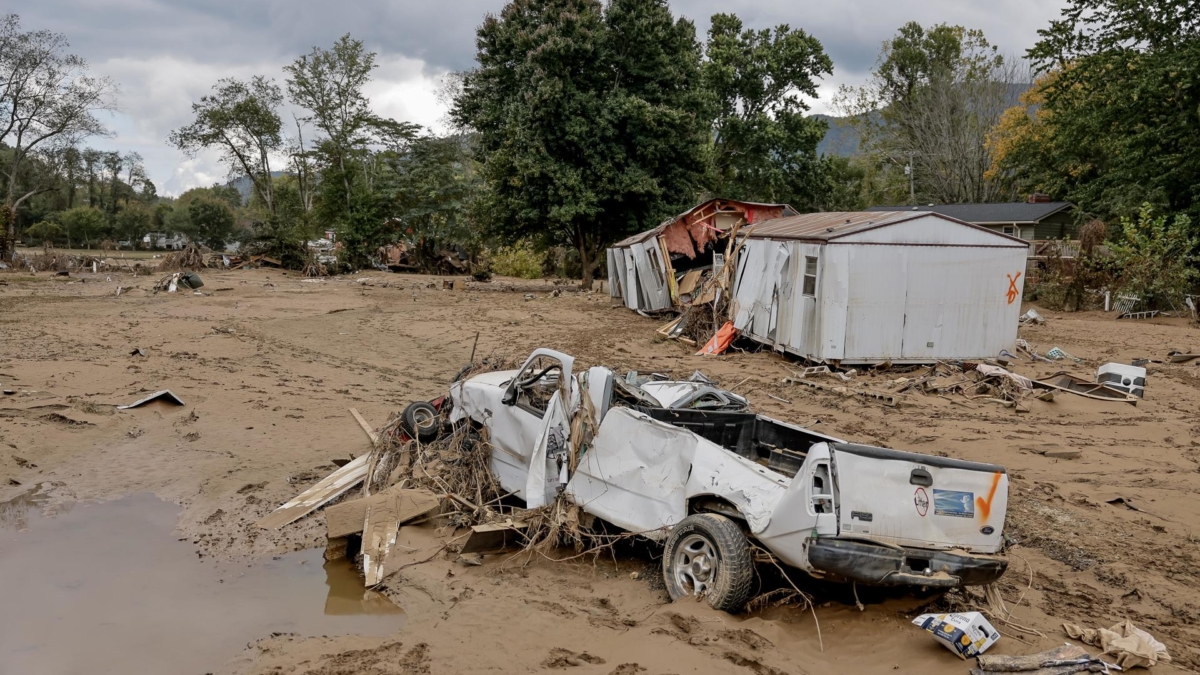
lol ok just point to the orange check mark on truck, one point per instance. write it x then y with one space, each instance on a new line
984 506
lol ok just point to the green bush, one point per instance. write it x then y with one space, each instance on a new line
519 260
1154 258
44 231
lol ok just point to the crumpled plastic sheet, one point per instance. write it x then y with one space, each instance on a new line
1131 646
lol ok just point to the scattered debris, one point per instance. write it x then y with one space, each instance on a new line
190 257
176 280
719 342
1122 501
1130 379
1058 355
1061 454
890 400
967 634
1063 660
164 395
1078 385
1180 357
1032 317
1132 646
325 491
494 537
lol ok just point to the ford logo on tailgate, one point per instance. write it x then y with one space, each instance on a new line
987 530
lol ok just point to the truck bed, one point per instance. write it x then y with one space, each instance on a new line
773 444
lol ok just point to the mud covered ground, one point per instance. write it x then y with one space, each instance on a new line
268 365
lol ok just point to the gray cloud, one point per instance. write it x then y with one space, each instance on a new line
166 53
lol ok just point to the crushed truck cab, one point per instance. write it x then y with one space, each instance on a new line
699 479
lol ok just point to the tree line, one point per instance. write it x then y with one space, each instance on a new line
584 121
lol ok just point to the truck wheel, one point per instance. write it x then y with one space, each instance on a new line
708 556
420 421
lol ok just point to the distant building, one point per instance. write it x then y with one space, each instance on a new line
159 240
1038 219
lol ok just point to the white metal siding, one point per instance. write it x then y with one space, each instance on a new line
629 281
875 304
833 290
652 283
877 300
616 264
957 301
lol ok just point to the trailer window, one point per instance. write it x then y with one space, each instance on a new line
656 265
810 276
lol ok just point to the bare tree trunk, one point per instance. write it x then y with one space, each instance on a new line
587 257
8 216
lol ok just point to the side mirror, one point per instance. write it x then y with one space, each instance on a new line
510 394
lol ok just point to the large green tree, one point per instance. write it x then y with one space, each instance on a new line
436 183
764 144
925 114
211 221
48 103
1121 103
84 225
241 119
352 145
587 122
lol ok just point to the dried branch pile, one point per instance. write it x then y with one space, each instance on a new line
191 257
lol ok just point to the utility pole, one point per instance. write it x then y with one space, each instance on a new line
912 193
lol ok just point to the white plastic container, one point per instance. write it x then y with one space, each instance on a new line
1131 379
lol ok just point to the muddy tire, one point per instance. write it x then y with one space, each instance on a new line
707 555
420 421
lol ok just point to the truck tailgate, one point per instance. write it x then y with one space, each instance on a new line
919 500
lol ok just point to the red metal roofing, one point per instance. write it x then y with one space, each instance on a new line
643 236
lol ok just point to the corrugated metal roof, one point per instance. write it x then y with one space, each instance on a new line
995 213
637 238
827 225
643 236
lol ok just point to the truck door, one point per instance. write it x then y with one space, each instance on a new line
548 465
520 423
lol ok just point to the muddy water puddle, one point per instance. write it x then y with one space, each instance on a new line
109 588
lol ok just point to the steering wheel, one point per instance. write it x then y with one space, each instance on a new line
534 378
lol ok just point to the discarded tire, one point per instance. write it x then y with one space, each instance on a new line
420 421
708 556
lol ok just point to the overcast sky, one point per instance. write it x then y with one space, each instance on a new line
167 53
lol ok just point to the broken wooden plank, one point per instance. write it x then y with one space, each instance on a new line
365 427
494 537
381 525
325 491
348 518
379 535
687 285
666 329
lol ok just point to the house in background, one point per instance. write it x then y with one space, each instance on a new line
1038 219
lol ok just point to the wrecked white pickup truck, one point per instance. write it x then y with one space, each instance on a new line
707 482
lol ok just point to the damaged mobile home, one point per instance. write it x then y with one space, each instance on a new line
848 287
862 288
661 268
